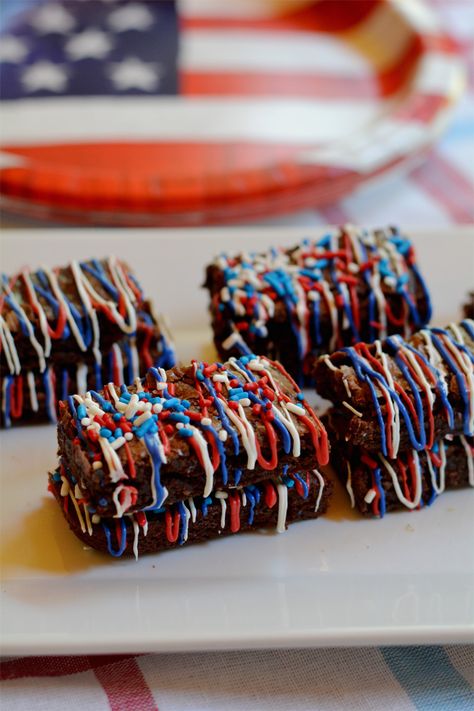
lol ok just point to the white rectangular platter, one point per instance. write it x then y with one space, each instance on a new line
341 580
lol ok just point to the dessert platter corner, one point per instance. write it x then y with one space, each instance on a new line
222 387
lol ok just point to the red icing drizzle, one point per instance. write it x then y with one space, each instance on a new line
234 505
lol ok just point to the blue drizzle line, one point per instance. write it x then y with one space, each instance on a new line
7 418
105 404
154 452
457 374
223 417
467 326
64 384
55 306
426 295
378 481
182 527
22 321
439 384
128 353
303 484
317 323
237 476
99 274
48 392
205 504
123 543
418 402
98 376
77 419
367 374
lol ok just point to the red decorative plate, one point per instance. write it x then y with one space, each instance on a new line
150 113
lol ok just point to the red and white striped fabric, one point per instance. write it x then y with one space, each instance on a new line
276 105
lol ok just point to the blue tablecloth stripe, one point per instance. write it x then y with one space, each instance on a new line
437 688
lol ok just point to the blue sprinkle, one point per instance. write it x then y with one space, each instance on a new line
177 417
185 432
300 396
105 432
172 402
117 416
56 476
118 432
185 404
81 411
103 502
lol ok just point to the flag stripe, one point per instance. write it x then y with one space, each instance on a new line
55 665
442 181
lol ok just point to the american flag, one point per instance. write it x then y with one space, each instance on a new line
206 109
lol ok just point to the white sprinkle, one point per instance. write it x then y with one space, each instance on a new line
225 294
132 406
85 421
157 408
352 409
313 296
206 421
128 436
64 487
97 465
117 443
255 365
77 492
160 386
390 281
142 418
245 402
347 387
295 408
223 435
370 496
222 495
353 268
179 425
95 518
282 507
218 378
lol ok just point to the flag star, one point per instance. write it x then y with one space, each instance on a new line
133 16
44 75
53 19
132 73
91 43
12 49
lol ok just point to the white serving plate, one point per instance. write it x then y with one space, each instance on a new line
341 580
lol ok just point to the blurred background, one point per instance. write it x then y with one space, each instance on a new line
305 112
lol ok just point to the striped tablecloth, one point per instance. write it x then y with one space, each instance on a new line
440 193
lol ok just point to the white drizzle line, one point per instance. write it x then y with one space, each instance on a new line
321 489
187 516
470 459
439 488
31 334
282 507
136 533
30 378
91 312
43 321
352 409
117 355
88 520
222 495
9 348
349 488
67 489
208 468
192 508
396 485
81 378
60 298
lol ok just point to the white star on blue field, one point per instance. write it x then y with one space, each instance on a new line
88 47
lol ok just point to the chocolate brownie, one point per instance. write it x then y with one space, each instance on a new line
377 485
186 431
273 502
468 307
402 394
294 304
72 328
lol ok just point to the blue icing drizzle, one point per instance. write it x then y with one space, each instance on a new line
123 543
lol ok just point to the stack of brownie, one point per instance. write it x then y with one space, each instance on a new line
70 329
402 426
189 454
296 304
